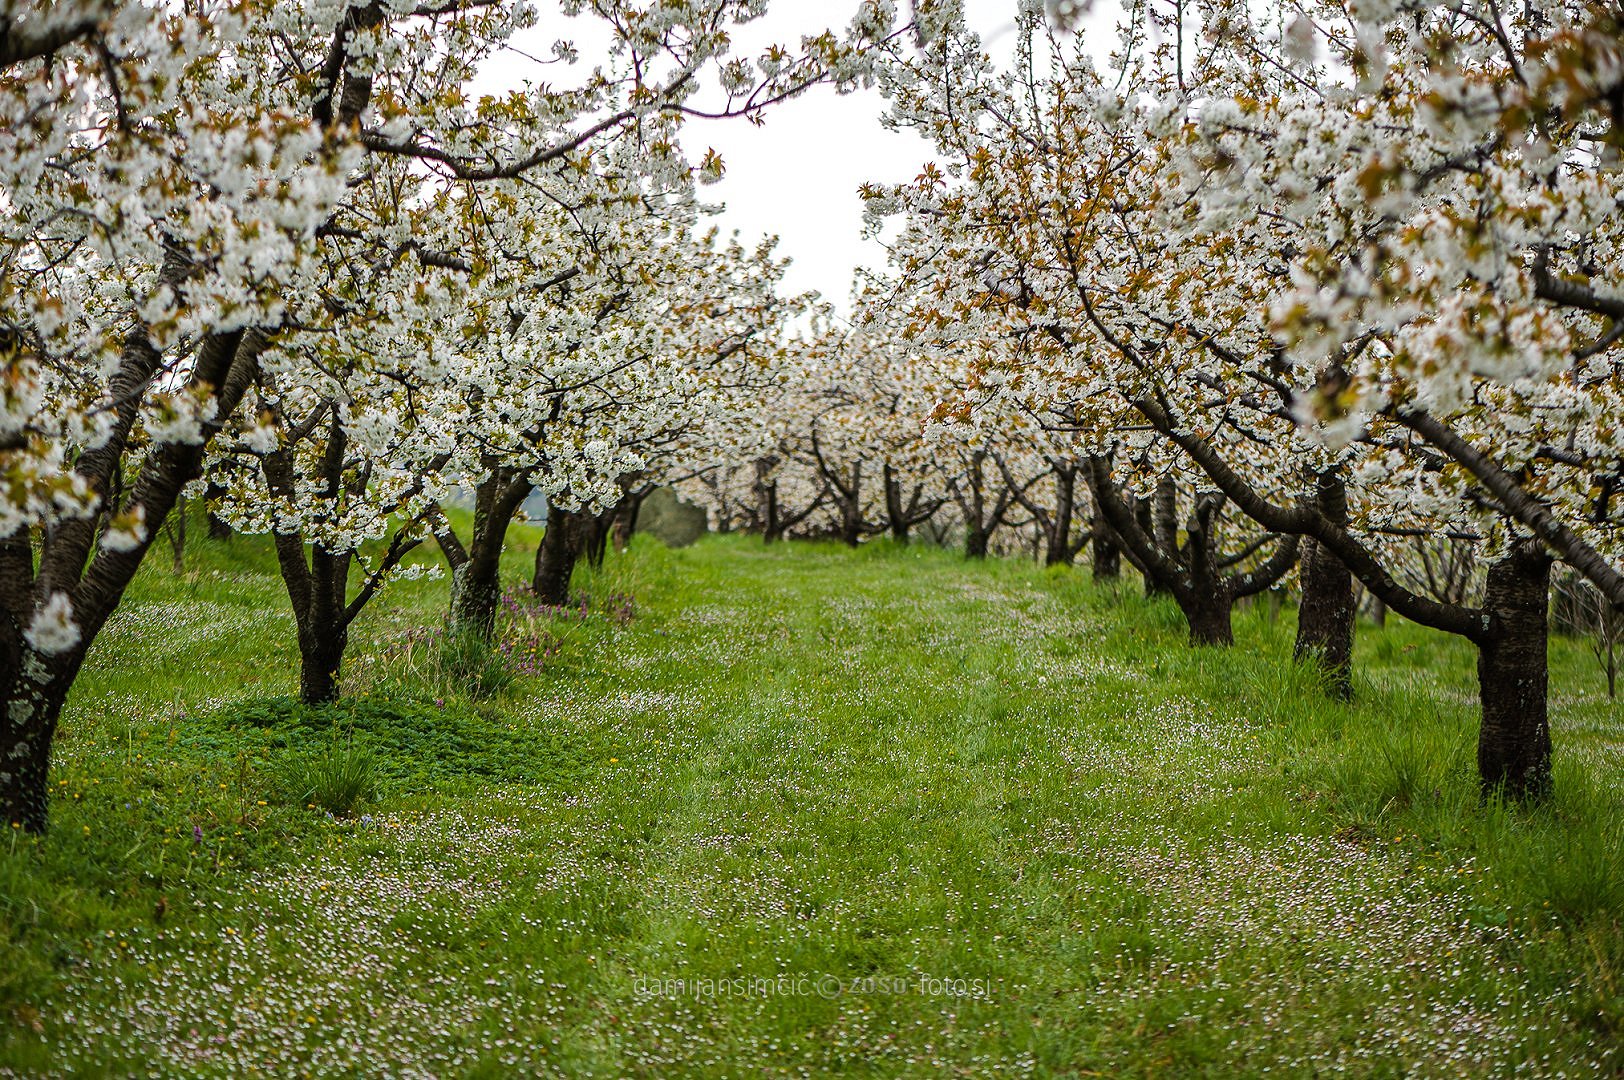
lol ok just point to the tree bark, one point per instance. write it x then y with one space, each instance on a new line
851 517
895 511
1059 551
1107 555
1208 610
975 542
1146 518
556 557
625 521
1514 741
592 537
1325 619
35 688
321 656
476 585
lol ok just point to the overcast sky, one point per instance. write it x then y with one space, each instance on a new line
797 175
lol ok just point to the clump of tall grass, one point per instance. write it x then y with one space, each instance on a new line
442 661
338 778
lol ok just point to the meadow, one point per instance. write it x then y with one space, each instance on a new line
798 810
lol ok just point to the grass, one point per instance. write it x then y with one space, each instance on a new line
799 811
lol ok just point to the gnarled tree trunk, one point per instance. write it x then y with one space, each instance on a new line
1192 572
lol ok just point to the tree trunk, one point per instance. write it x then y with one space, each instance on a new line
625 524
1514 743
1147 524
592 537
1207 610
975 542
1325 620
475 594
851 520
476 585
556 557
35 690
1058 551
321 655
772 524
1326 616
894 508
1107 556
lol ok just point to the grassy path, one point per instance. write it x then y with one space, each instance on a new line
813 812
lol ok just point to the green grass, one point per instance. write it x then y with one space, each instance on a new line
887 813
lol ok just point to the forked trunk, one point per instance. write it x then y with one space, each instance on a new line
895 510
1514 742
851 521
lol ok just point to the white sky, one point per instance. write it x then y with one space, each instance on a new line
796 176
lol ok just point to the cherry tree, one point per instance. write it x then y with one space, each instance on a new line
1194 245
723 325
177 182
